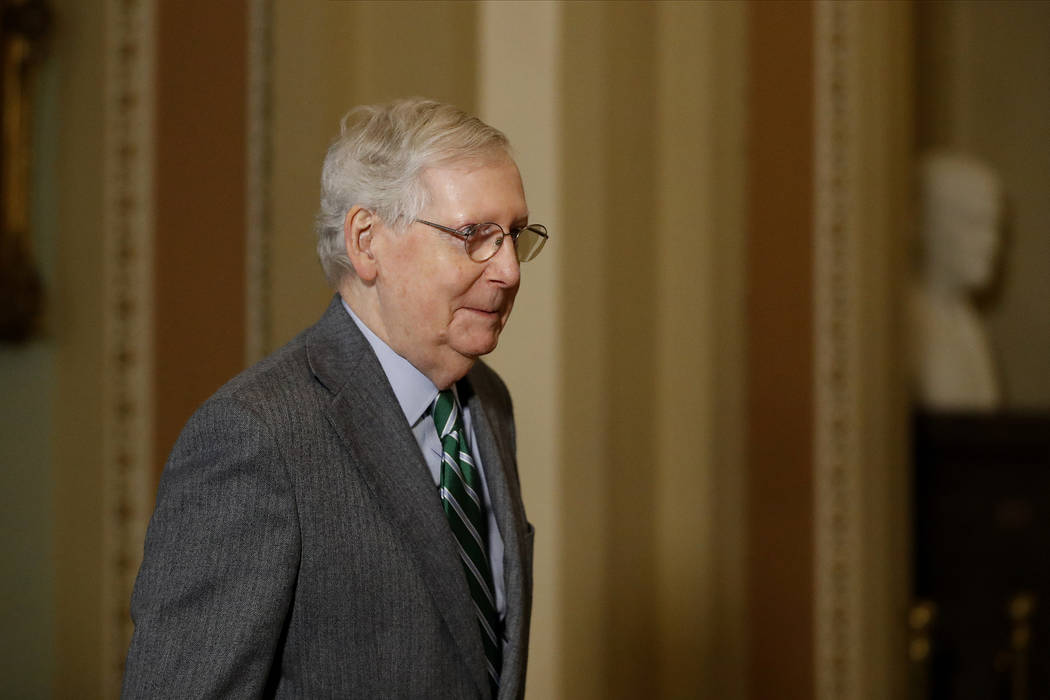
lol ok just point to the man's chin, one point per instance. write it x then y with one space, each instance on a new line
475 348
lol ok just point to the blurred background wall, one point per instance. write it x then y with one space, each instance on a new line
706 361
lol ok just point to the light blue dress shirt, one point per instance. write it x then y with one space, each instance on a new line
416 393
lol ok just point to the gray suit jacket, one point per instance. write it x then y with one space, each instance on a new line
299 549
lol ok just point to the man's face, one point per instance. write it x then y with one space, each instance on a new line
439 309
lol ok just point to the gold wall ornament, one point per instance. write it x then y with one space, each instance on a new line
24 24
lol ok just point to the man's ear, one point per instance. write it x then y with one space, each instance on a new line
359 228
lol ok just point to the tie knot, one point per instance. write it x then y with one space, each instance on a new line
446 414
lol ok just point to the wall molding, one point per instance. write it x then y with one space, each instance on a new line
130 49
837 461
862 156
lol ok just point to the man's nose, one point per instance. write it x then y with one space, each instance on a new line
503 267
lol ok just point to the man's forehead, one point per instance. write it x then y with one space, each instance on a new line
490 182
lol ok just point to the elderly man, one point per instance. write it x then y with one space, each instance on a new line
344 519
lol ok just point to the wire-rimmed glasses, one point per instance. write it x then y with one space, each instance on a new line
482 241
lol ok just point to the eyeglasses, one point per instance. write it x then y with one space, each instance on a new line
482 241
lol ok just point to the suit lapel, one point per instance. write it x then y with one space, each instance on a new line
497 456
365 414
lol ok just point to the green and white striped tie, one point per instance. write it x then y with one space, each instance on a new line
465 510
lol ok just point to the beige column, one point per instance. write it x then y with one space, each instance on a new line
639 583
519 48
582 570
699 332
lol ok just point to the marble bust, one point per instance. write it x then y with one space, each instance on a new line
958 244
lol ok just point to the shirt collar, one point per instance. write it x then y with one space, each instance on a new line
414 391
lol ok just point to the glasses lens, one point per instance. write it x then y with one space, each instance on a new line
530 242
484 242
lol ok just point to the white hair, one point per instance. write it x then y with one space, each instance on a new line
377 162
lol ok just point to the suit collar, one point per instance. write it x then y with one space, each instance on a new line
335 348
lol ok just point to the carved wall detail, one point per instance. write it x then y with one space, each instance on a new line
128 316
837 463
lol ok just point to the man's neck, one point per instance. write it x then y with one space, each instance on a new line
364 303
